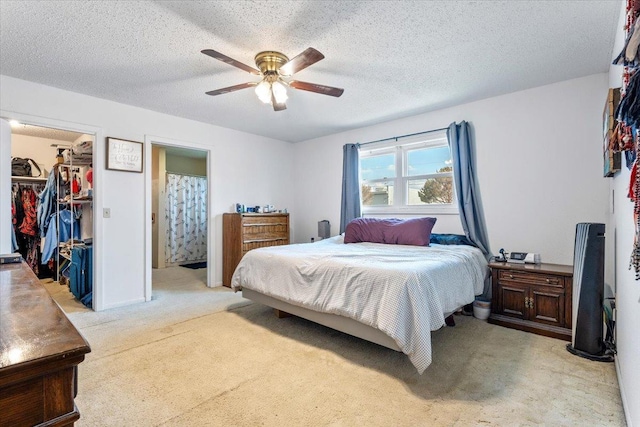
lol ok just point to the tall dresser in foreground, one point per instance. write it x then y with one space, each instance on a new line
242 232
39 353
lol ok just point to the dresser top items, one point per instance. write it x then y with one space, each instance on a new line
546 268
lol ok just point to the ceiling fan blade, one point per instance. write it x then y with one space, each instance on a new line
277 106
312 87
230 89
224 58
300 62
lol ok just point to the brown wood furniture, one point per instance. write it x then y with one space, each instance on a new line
532 297
39 353
242 232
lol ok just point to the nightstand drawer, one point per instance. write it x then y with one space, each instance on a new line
526 277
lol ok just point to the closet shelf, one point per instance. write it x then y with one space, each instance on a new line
77 162
75 201
28 179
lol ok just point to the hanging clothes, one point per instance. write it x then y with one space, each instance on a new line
186 218
29 225
25 237
66 218
47 204
628 114
81 274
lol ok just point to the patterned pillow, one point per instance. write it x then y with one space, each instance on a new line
450 239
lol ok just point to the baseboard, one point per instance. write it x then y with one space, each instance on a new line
123 303
625 403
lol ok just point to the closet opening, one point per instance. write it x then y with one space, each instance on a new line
52 210
179 219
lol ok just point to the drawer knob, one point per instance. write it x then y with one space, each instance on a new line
511 276
548 281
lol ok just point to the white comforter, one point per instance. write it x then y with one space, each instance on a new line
402 290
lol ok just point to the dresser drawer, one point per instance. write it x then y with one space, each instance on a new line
264 243
252 221
262 231
530 278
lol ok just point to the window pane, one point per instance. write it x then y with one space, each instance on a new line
426 161
378 194
378 167
430 191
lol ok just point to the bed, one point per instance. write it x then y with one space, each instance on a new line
390 294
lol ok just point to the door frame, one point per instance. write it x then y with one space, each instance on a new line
151 140
98 159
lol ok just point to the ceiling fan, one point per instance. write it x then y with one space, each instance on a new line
274 67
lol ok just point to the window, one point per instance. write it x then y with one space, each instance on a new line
413 174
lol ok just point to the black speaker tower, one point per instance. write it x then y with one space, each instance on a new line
588 289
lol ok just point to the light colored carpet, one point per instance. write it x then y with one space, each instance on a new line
206 357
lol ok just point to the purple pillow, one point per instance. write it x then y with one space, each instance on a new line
367 230
415 231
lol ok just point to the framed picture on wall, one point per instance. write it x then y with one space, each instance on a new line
124 155
611 159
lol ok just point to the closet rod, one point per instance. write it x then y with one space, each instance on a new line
29 179
186 174
402 136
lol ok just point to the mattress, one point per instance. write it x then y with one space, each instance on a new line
401 290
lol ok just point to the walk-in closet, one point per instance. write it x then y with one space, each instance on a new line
52 207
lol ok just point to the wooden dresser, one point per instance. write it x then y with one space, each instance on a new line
39 354
532 297
242 232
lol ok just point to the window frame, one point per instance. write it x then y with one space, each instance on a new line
401 147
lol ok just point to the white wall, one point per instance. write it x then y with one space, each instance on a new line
38 149
627 288
627 302
538 170
5 187
186 165
247 168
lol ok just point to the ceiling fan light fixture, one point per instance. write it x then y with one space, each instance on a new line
263 90
273 66
279 92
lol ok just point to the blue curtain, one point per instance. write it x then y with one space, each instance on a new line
350 206
467 189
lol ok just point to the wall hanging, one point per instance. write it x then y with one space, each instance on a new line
124 155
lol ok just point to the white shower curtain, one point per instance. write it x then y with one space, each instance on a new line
186 218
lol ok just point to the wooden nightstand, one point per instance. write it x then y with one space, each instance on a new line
532 297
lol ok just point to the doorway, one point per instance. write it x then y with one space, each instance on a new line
47 157
179 218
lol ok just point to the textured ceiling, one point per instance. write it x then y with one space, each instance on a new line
394 59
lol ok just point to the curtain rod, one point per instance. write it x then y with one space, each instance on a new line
402 136
186 174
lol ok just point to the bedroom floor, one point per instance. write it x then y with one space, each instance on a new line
197 356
